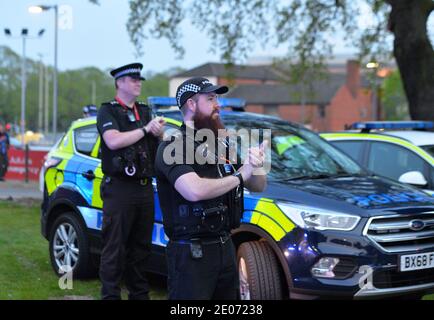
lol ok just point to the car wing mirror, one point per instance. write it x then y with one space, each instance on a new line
415 178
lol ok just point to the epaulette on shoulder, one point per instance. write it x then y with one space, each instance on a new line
141 104
110 103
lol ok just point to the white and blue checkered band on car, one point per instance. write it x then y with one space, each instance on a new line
187 88
127 71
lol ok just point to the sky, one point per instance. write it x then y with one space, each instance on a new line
97 36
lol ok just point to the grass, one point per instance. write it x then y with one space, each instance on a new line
25 268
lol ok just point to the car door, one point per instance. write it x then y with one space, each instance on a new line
391 160
354 148
89 171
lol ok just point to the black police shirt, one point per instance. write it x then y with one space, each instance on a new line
112 115
171 200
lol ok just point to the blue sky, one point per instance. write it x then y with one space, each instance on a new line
99 37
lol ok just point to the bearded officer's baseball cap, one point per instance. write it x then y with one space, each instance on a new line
190 87
132 70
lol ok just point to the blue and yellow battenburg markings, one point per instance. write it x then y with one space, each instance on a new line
267 215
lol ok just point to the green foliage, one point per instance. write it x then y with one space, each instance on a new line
25 268
393 98
75 90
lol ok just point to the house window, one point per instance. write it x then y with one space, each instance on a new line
321 111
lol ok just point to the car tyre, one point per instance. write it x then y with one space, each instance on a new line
69 247
259 273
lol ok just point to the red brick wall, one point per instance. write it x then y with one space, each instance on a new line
255 108
346 109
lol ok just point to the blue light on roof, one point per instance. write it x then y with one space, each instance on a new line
170 101
393 125
162 101
232 102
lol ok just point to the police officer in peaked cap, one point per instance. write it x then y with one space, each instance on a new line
128 146
202 200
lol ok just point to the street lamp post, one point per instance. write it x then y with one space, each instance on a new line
39 9
373 65
24 36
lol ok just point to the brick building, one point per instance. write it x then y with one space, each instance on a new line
343 97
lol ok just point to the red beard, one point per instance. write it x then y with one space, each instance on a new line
212 122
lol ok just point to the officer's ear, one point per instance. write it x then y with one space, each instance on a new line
190 105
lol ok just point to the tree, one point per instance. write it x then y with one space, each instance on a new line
307 27
75 90
395 106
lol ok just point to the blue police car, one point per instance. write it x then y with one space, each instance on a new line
324 227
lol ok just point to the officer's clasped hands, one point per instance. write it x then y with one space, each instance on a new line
155 126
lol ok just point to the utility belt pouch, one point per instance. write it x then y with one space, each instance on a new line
213 219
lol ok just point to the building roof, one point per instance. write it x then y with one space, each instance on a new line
319 92
259 72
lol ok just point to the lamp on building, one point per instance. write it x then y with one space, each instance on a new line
373 66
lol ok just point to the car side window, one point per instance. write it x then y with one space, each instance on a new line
351 148
85 139
392 161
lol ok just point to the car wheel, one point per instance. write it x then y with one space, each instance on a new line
259 272
69 247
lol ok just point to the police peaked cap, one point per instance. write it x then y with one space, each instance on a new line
190 87
132 70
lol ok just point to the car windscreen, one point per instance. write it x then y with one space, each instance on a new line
297 153
429 149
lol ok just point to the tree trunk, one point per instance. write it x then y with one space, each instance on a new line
414 54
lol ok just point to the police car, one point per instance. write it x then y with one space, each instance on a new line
399 150
324 227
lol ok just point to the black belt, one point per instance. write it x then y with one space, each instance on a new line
205 241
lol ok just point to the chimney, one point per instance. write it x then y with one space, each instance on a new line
353 76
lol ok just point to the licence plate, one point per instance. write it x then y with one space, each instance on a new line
418 261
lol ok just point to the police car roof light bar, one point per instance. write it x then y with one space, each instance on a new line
370 125
161 102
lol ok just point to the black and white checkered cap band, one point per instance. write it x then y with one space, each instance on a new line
127 71
187 88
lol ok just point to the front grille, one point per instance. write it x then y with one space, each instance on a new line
395 234
396 279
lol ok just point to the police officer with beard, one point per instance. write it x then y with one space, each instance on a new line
128 146
202 201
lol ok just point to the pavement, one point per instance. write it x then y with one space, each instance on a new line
15 190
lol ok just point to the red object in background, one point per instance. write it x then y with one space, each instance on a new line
17 164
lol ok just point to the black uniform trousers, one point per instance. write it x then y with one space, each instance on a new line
214 276
128 217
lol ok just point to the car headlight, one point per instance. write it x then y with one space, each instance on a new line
319 219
